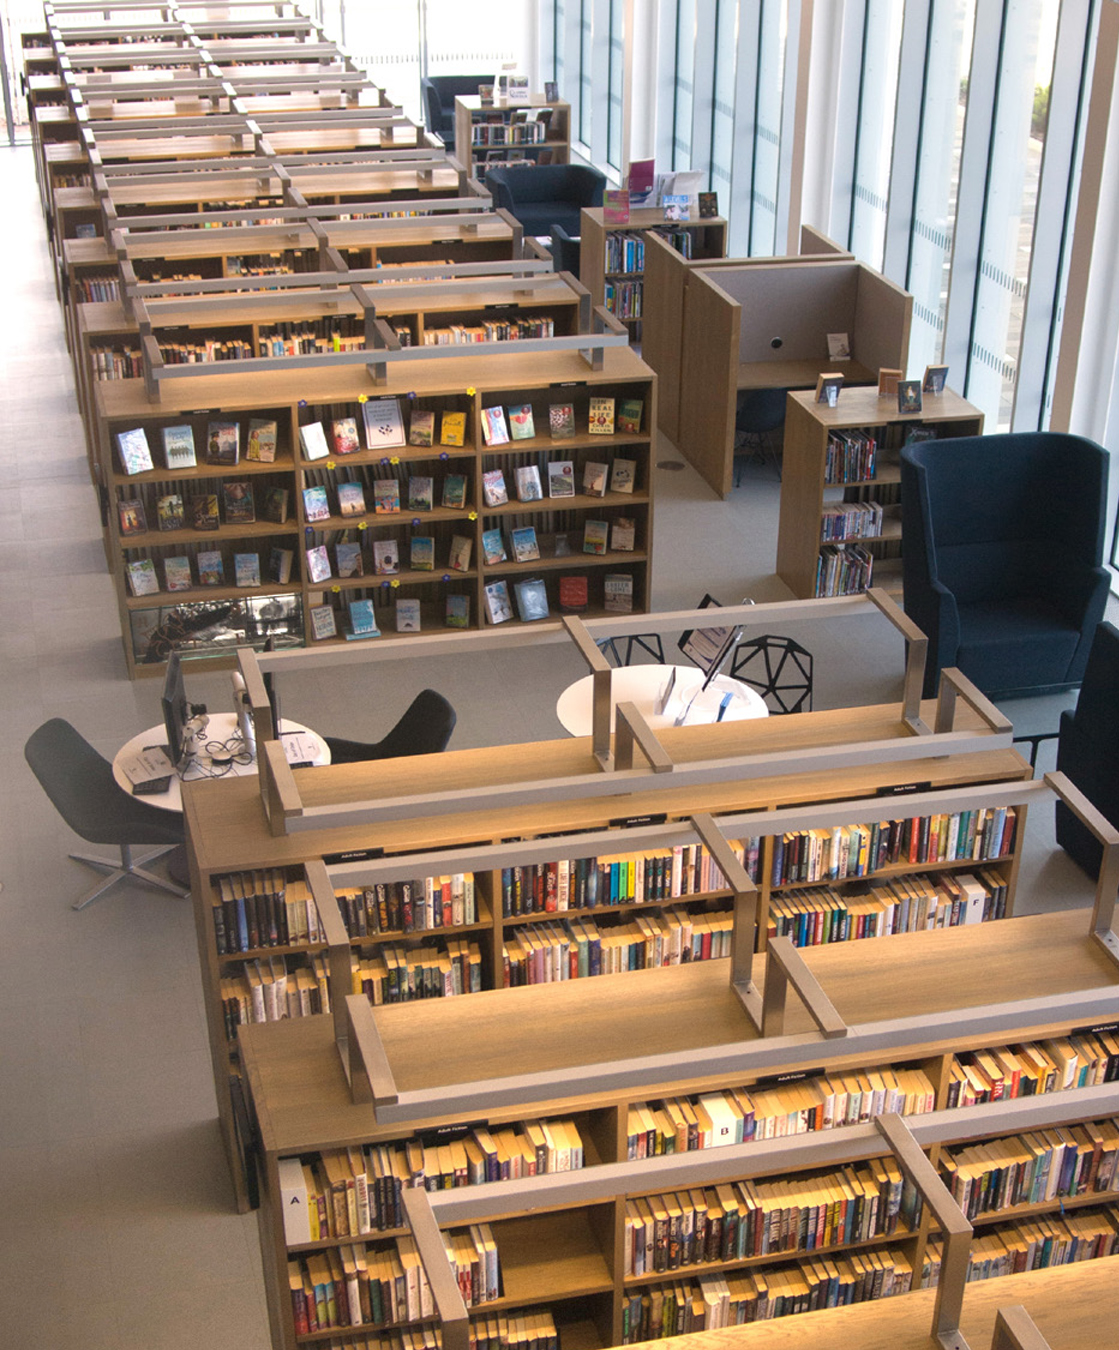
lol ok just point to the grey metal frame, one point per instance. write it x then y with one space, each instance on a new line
1015 1329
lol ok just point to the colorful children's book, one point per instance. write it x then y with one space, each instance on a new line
363 620
494 429
351 499
316 505
260 447
384 426
135 454
521 426
246 569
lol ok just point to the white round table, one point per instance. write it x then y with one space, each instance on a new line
222 727
644 685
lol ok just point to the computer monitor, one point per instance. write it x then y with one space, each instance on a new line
176 710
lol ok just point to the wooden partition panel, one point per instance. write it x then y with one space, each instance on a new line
790 310
666 275
814 241
709 381
883 313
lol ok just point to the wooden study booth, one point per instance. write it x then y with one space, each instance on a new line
386 1078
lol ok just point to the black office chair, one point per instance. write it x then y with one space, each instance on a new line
424 729
85 794
649 643
778 668
759 413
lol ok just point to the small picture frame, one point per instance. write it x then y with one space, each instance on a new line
936 377
888 382
909 396
551 91
828 386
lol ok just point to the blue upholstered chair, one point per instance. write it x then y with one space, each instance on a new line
1003 556
565 250
1088 748
546 195
439 94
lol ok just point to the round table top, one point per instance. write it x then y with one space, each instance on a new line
644 685
221 730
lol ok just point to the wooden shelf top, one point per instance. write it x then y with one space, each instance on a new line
781 374
227 822
861 406
509 369
649 217
302 1096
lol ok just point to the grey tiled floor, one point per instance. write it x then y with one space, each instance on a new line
116 1231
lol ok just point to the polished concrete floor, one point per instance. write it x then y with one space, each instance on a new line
116 1229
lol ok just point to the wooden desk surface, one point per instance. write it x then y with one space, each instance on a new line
790 374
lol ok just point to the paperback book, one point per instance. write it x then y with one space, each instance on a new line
524 544
561 478
279 565
561 421
322 622
274 504
623 475
131 516
260 445
316 505
494 491
347 558
629 415
407 616
204 511
595 534
457 613
318 563
312 437
422 553
170 511
386 496
211 570
498 608
454 491
351 499
452 428
595 477
178 447
521 427
142 579
493 547
623 534
237 499
246 569
384 426
421 427
529 487
601 417
176 574
386 557
363 620
223 443
573 593
494 429
421 493
532 599
615 206
135 454
461 548
618 593
345 437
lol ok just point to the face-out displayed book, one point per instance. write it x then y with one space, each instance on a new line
623 473
461 548
176 574
211 570
498 608
623 534
452 428
457 612
629 416
131 516
493 547
386 496
204 511
351 499
532 599
318 563
384 426
595 536
274 504
316 505
421 427
170 511
260 444
454 491
494 491
323 624
312 437
347 558
600 416
521 425
279 565
142 579
237 501
617 589
386 557
246 569
561 478
135 453
178 446
595 478
421 493
561 421
223 443
422 553
529 487
363 620
344 435
524 544
573 593
407 615
495 431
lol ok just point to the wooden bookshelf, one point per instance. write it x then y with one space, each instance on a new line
612 256
806 492
466 384
537 131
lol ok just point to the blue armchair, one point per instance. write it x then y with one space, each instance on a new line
1003 554
546 195
439 94
1088 749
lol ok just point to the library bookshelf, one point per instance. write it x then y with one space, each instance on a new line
466 384
561 1239
230 838
497 131
825 486
612 256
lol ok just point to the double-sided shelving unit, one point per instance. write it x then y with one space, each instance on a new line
499 131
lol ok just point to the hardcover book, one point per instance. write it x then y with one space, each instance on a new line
176 574
246 569
629 415
936 377
494 429
142 578
274 505
178 447
322 622
524 544
421 427
498 608
351 499
595 533
347 558
363 620
828 386
493 547
344 435
494 492
421 493
384 426
618 593
600 417
223 443
615 206
135 454
461 548
279 565
909 396
312 437
573 593
211 571
458 611
170 512
521 426
622 475
237 499
623 534
452 428
708 205
454 491
561 421
386 557
407 616
532 599
318 563
422 553
529 487
260 446
386 496
316 506
594 478
561 478
130 514
204 511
